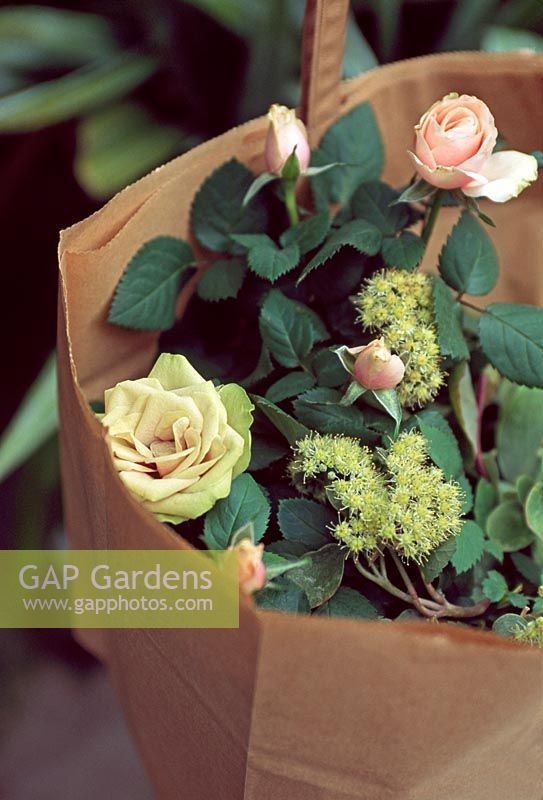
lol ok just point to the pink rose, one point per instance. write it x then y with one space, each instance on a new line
453 150
252 572
375 366
285 133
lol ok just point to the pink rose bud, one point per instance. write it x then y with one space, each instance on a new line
252 572
285 133
376 368
453 150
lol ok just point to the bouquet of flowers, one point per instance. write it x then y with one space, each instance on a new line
365 433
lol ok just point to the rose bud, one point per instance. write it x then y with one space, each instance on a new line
376 368
286 134
252 572
454 141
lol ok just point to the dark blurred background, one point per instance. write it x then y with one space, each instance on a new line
94 94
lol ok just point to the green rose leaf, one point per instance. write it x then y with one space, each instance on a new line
404 251
470 546
320 410
348 603
264 452
388 400
277 565
468 261
494 586
352 140
222 281
218 210
290 385
372 201
289 329
438 559
328 369
509 625
464 403
263 368
245 503
359 234
305 521
519 433
289 427
307 234
534 509
505 525
442 444
486 499
417 191
449 331
146 295
287 599
266 259
321 575
512 339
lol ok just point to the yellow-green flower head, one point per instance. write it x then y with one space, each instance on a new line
402 502
177 441
532 633
399 305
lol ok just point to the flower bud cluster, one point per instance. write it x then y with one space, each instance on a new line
399 305
401 501
531 634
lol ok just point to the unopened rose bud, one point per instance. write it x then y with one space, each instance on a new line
286 134
252 572
376 368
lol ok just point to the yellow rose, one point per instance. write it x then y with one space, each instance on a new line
178 441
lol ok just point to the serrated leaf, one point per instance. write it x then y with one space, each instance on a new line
266 259
290 385
438 559
517 599
534 509
404 251
464 403
359 234
353 140
305 521
468 261
372 201
449 331
470 546
328 369
495 551
512 339
245 503
287 599
348 603
442 446
494 586
289 427
222 281
289 329
263 368
505 525
146 295
218 211
321 575
519 433
307 234
320 410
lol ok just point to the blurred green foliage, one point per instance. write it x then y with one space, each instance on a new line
145 80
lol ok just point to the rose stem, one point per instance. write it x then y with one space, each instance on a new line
432 216
290 201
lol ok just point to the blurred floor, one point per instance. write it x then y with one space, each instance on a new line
65 739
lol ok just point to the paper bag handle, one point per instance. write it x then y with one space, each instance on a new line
323 43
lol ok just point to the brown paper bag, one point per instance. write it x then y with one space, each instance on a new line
299 708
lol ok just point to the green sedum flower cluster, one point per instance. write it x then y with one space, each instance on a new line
399 305
532 633
400 501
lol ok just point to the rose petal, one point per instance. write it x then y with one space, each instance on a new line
506 175
441 177
152 489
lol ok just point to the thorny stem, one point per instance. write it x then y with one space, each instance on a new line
427 608
432 216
